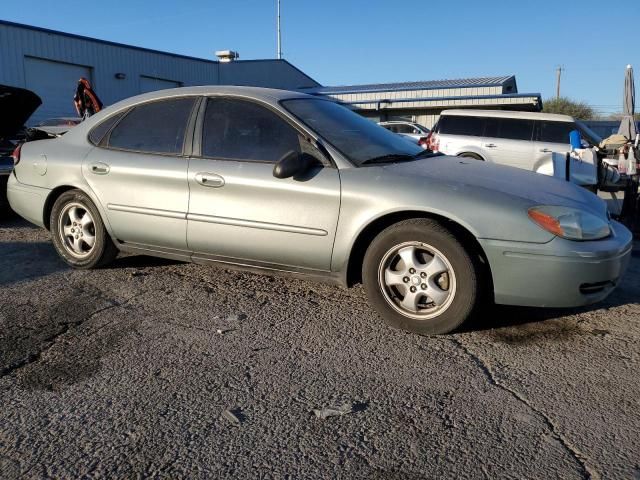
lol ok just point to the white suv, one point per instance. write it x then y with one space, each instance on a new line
519 139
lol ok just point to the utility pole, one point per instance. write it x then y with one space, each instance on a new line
278 29
558 76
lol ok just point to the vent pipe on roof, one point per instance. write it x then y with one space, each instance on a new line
227 56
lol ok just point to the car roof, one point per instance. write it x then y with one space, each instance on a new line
509 114
395 122
266 94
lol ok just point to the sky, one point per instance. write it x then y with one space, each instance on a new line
343 42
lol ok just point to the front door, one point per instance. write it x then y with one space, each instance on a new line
551 137
238 211
139 174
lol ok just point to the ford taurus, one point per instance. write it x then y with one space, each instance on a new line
281 181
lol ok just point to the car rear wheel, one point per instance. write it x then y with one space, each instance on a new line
420 278
78 232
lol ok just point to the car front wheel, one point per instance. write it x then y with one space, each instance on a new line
78 232
420 278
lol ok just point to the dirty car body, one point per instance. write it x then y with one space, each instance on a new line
417 229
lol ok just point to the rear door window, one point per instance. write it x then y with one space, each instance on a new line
509 128
554 132
242 130
99 131
156 127
461 125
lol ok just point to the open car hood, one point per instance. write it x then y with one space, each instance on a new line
16 105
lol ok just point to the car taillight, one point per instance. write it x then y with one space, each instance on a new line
16 155
433 141
424 142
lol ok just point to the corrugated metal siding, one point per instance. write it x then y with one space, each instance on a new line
421 85
436 93
259 73
105 59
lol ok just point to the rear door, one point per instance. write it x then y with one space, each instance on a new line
509 141
551 137
139 173
238 210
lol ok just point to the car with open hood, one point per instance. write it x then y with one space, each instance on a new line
16 105
278 181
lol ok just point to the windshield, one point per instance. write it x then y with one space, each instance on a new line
356 137
592 137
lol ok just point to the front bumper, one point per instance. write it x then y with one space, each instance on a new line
26 200
560 273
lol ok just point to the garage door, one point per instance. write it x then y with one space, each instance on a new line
151 84
55 83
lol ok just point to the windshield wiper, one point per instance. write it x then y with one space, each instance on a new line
427 154
394 157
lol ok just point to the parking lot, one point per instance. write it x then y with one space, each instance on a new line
163 369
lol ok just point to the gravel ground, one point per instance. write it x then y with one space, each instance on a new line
152 368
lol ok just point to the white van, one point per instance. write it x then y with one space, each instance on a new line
519 139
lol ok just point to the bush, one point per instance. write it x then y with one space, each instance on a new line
566 106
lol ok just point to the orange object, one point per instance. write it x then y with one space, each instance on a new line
546 221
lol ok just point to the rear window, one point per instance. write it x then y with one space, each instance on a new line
509 128
463 125
156 127
554 132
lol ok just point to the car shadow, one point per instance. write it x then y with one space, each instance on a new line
140 261
520 326
27 261
10 219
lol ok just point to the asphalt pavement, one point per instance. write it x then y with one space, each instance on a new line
154 368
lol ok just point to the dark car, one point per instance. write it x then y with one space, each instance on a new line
16 105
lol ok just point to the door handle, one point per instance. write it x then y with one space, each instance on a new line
99 168
209 179
545 150
491 145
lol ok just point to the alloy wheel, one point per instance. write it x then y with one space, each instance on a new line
417 280
77 230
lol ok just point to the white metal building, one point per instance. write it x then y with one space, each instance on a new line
422 102
51 62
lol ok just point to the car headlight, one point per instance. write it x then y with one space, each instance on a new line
570 223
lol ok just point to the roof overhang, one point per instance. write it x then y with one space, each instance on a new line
530 101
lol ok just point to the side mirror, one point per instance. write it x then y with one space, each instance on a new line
292 164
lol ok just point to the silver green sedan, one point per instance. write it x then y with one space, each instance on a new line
279 181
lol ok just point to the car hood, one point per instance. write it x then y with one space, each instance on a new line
16 105
534 187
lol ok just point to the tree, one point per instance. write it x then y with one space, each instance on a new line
566 106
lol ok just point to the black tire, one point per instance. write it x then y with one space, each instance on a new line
101 252
475 156
462 285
